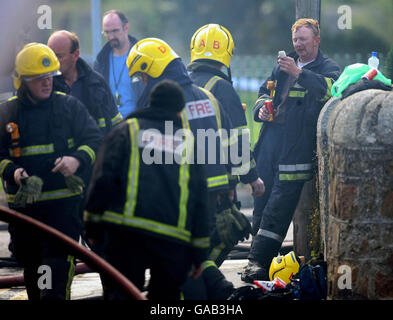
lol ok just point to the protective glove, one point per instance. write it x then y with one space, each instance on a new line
242 225
29 191
74 183
224 222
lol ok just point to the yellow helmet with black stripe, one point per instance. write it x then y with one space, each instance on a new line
150 56
284 267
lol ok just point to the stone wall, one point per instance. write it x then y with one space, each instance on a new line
355 152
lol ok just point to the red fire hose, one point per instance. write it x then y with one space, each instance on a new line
91 259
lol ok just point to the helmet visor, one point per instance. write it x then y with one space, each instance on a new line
42 75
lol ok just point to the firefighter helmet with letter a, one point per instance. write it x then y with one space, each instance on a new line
34 61
150 56
212 42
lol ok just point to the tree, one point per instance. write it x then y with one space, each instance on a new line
389 64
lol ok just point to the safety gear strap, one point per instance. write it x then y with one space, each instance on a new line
270 234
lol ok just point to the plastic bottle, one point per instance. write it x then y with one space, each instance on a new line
373 61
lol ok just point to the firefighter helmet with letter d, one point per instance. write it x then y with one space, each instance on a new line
150 56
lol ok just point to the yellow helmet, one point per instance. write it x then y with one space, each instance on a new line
284 267
35 60
213 42
150 56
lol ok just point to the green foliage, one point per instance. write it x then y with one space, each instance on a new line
257 26
389 64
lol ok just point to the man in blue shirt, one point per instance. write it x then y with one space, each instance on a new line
111 61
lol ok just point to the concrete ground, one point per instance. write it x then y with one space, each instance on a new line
89 285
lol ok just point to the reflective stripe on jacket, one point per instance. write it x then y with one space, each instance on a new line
59 126
298 114
163 200
213 80
96 95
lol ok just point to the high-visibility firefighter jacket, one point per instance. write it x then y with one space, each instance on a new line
298 114
204 115
215 81
58 126
95 94
156 197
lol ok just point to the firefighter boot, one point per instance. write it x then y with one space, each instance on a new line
262 252
217 286
254 271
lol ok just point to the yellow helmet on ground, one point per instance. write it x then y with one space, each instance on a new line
35 60
212 42
150 56
284 267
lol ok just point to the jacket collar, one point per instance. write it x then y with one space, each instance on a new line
205 67
159 114
318 60
25 101
175 71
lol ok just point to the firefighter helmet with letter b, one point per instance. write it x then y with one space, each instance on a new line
150 56
212 42
34 61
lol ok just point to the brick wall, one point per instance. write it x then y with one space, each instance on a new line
355 150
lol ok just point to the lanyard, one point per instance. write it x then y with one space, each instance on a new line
117 95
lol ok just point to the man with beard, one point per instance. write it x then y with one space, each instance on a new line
111 61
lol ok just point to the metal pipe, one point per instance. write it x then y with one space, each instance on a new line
95 27
90 258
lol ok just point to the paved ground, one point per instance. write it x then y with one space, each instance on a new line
89 285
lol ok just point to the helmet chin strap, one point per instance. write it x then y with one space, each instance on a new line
229 74
33 98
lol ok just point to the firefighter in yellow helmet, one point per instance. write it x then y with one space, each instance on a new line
154 60
212 42
161 225
35 61
45 153
211 52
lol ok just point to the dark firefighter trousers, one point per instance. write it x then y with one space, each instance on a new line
273 212
133 252
211 285
47 266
